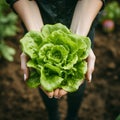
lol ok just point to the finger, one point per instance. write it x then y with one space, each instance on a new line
26 73
23 58
56 93
62 93
90 67
90 71
49 94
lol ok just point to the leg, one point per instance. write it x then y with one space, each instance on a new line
74 101
51 105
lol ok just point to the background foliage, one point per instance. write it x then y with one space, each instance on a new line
8 28
110 18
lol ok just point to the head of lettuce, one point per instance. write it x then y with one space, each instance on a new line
57 57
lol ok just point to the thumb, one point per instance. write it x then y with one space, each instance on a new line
90 66
26 74
24 68
89 76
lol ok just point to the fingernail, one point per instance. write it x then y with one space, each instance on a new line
50 96
90 78
25 77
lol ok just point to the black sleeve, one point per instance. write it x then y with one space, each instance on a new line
11 2
91 33
103 4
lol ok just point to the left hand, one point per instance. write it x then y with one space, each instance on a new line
90 64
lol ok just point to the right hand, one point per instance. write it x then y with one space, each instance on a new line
57 93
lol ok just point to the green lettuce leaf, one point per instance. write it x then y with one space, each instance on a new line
48 29
50 79
57 56
30 43
74 77
34 79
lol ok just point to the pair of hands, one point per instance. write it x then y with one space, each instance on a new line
58 93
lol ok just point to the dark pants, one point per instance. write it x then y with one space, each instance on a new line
74 101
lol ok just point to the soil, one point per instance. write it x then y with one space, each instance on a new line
102 96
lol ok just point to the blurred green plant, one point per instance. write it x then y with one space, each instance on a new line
8 28
111 16
112 11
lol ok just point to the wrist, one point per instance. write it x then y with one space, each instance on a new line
81 28
33 27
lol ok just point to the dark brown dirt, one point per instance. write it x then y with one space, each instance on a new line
102 96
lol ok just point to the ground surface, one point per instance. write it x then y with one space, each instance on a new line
102 96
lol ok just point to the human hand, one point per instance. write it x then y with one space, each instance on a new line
90 64
57 93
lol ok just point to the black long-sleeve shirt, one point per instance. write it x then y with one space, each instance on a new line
59 11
